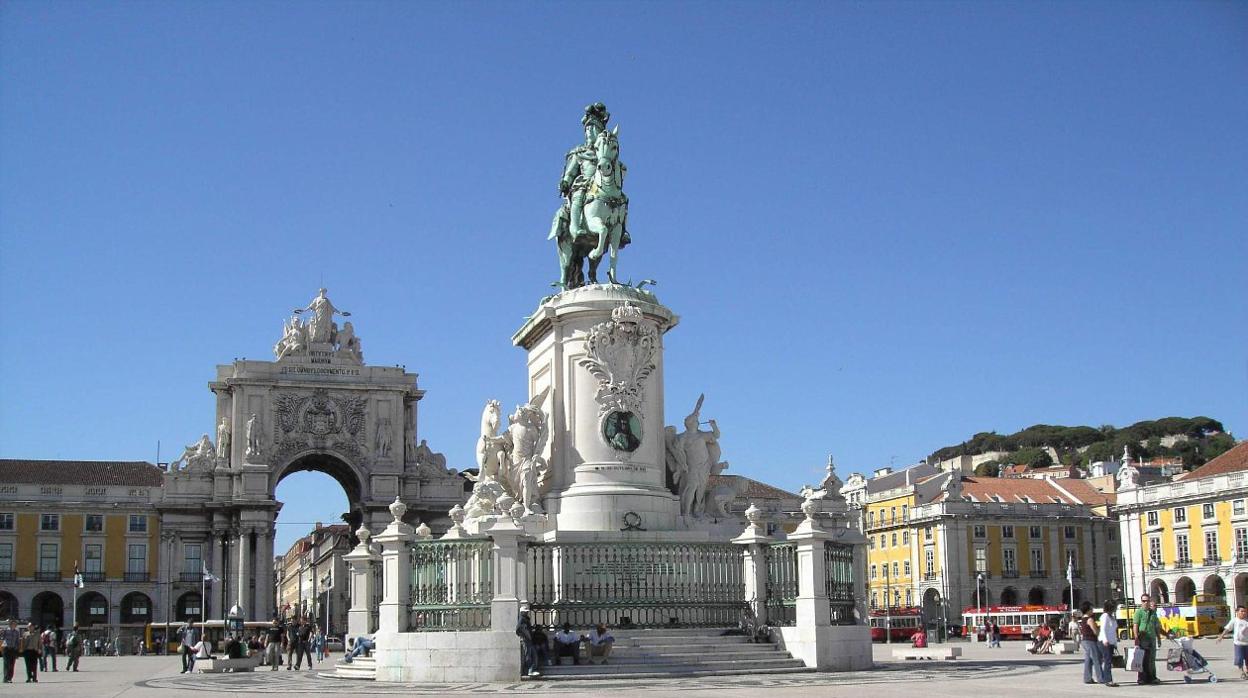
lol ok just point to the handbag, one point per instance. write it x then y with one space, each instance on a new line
1135 659
1116 660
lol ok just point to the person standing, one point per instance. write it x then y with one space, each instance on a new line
49 639
1089 641
996 635
318 645
1238 628
73 649
32 646
1108 639
11 646
524 630
303 647
1147 634
190 636
273 644
292 642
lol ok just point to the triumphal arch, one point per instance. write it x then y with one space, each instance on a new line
317 406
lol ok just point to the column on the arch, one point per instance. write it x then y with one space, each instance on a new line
264 574
243 547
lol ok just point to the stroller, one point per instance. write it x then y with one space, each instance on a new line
1183 657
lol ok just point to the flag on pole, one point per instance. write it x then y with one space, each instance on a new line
210 577
1070 578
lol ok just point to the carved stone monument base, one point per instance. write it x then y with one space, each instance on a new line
606 397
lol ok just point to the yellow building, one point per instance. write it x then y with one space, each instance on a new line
1189 536
943 542
94 517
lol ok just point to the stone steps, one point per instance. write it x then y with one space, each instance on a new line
360 669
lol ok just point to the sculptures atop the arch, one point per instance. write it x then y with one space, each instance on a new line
318 339
254 435
692 458
512 474
594 215
223 439
198 456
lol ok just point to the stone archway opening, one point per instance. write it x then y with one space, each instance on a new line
1184 590
47 609
1241 588
1009 596
931 605
8 606
1035 597
136 607
190 606
1159 591
1215 586
92 609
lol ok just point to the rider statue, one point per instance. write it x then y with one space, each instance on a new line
569 227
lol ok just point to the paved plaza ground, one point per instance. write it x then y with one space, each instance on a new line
982 672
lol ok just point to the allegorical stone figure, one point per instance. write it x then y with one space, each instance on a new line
525 466
223 439
321 328
383 437
253 435
693 457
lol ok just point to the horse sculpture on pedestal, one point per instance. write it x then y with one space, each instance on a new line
605 217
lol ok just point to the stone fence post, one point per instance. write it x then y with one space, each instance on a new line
396 571
754 541
361 561
509 575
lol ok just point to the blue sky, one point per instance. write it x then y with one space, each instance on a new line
885 226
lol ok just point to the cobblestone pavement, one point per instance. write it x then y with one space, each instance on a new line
982 672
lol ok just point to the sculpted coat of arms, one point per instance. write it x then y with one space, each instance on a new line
318 420
620 354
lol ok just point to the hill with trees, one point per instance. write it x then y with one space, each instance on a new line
1194 440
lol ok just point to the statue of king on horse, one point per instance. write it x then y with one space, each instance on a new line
593 217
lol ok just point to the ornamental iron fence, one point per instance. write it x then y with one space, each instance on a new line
635 584
838 565
452 585
781 583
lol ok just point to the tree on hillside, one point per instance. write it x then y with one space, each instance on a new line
989 468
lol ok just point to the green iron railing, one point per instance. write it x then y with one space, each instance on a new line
838 570
781 583
452 585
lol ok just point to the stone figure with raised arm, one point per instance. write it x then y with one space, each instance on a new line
349 343
1128 475
526 468
223 439
321 328
693 457
253 435
294 338
200 454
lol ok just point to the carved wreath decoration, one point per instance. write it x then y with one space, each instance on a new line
620 354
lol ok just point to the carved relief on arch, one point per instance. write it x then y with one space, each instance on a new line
318 420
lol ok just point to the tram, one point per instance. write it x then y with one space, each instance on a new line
897 624
1017 622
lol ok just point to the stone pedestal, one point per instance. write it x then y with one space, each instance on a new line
754 542
396 574
361 561
594 482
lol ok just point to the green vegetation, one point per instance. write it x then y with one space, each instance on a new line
1079 446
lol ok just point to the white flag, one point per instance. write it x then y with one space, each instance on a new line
210 577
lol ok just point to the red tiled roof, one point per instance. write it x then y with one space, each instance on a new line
80 472
1233 461
753 488
1087 493
1012 490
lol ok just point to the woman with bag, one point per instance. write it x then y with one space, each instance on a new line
1108 639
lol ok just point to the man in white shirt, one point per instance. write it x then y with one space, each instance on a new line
1238 628
567 643
600 642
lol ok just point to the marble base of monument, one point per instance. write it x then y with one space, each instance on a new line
480 656
829 647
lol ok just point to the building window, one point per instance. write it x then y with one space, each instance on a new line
871 542
6 559
896 598
883 541
136 560
892 514
1211 546
1207 511
1237 507
1154 551
1037 560
871 518
1241 545
929 563
1007 531
49 558
50 522
981 560
1009 560
138 523
1069 532
894 540
93 523
905 512
927 535
909 597
905 538
1112 533
93 558
979 531
895 570
905 568
1180 514
193 559
1181 551
875 603
873 572
6 521
1152 519
1034 533
1115 566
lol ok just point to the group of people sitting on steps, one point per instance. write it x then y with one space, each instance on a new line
594 646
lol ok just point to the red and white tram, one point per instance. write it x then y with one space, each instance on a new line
1016 622
899 624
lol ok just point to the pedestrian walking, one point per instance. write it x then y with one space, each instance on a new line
273 644
1089 641
10 647
49 640
292 642
73 649
1147 635
1108 639
1238 628
996 635
303 648
32 648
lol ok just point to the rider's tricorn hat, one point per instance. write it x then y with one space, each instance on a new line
596 112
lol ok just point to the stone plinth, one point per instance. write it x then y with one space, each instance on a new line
594 483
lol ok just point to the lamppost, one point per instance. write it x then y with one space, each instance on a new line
327 583
888 606
979 601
